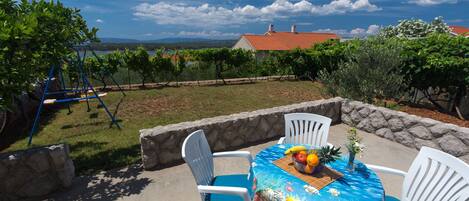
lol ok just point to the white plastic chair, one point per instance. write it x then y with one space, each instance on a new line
306 128
433 175
197 154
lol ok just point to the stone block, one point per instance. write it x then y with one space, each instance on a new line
220 145
395 124
404 138
465 158
3 170
355 116
364 112
463 135
59 155
168 156
441 129
345 118
387 113
347 107
419 143
377 120
453 145
365 125
409 120
421 132
429 122
38 186
66 174
39 161
385 133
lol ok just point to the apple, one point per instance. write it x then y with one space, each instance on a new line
301 157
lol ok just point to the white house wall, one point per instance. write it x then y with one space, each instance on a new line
243 43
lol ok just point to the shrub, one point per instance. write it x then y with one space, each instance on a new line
370 73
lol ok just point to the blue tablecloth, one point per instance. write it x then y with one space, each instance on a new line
273 183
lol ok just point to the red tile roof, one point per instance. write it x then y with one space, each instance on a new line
460 30
287 40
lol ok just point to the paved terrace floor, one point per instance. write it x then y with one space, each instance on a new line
177 183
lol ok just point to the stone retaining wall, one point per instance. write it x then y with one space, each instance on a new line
409 130
161 146
35 172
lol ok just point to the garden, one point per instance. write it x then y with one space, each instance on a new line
425 72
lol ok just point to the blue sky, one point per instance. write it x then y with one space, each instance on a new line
150 19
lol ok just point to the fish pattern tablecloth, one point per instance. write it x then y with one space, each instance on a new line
271 183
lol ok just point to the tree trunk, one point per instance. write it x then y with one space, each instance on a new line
457 100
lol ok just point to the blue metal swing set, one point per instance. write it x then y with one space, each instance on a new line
86 92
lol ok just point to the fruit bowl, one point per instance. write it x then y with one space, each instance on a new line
311 161
300 167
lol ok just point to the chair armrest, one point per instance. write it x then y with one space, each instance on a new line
382 169
281 140
242 154
226 190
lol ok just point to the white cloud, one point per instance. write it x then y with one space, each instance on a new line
357 32
99 21
95 9
208 34
431 2
208 15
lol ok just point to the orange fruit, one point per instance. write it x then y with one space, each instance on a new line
312 160
309 169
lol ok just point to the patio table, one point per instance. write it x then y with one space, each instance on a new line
273 183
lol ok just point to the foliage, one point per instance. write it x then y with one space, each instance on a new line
372 72
415 28
269 64
330 54
353 142
139 61
299 62
100 67
438 63
223 59
328 154
33 36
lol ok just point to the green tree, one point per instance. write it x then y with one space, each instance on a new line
161 63
223 59
33 36
438 65
139 61
371 73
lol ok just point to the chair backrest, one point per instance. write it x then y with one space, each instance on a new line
436 175
197 154
305 128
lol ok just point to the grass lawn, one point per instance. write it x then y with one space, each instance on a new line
95 146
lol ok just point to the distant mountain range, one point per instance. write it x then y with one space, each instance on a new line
161 41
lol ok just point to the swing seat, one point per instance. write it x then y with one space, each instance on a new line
75 99
68 92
